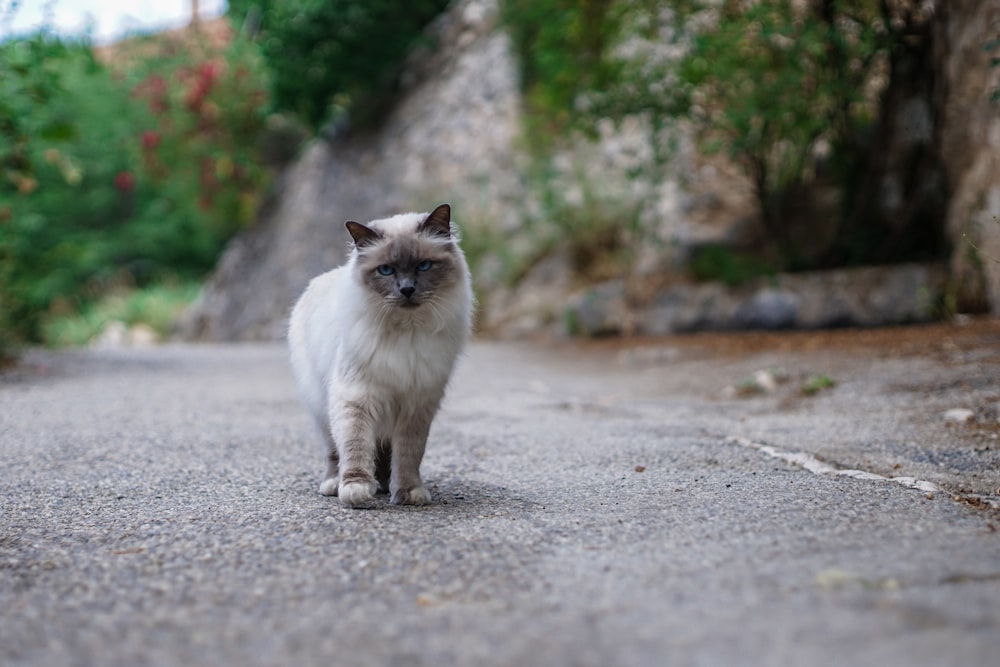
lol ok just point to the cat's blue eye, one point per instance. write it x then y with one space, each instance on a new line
385 270
424 265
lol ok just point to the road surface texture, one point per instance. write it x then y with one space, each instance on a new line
681 501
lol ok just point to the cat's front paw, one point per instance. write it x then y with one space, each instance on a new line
329 486
355 494
418 495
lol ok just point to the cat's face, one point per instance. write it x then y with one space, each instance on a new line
408 268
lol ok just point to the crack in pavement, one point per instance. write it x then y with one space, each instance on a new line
818 467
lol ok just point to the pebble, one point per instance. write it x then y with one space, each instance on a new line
958 415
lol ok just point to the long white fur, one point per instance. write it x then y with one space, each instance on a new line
348 344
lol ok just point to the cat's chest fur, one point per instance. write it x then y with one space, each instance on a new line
346 345
392 352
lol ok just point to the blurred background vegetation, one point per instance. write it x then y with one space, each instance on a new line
120 172
124 170
802 95
329 57
128 168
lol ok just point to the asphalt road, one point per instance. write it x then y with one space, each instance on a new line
593 505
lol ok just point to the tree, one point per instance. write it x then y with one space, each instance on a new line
333 57
801 94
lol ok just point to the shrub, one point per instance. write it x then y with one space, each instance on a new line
118 176
766 82
27 80
563 48
334 56
156 306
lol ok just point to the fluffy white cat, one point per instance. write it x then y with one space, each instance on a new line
373 344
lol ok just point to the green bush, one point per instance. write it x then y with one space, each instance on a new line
329 57
730 266
59 198
118 176
765 82
563 48
26 80
157 306
768 82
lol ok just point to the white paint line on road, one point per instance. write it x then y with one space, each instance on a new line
815 466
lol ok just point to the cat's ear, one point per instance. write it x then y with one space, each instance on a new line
438 223
362 235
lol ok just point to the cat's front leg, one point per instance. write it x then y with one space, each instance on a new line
331 482
408 444
353 425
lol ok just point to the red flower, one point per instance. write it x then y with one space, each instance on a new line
154 89
150 140
124 181
196 95
209 71
203 81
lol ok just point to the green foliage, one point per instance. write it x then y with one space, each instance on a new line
121 176
28 79
730 266
156 306
765 82
329 57
563 48
206 114
817 383
597 227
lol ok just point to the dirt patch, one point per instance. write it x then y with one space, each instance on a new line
980 334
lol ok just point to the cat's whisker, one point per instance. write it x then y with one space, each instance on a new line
438 317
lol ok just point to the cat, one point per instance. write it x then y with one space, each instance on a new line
373 344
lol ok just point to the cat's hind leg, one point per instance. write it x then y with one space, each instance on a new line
383 464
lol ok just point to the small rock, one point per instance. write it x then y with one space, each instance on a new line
767 309
142 335
958 415
834 578
113 335
766 380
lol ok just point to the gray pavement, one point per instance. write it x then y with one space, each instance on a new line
594 505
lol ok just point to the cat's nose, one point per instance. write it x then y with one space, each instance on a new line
407 290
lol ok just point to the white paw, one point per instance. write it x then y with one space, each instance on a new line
418 495
329 486
354 494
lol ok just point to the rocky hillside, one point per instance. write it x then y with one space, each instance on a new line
456 136
452 138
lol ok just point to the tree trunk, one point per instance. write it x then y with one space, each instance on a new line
897 206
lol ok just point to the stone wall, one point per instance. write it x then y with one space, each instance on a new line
861 297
